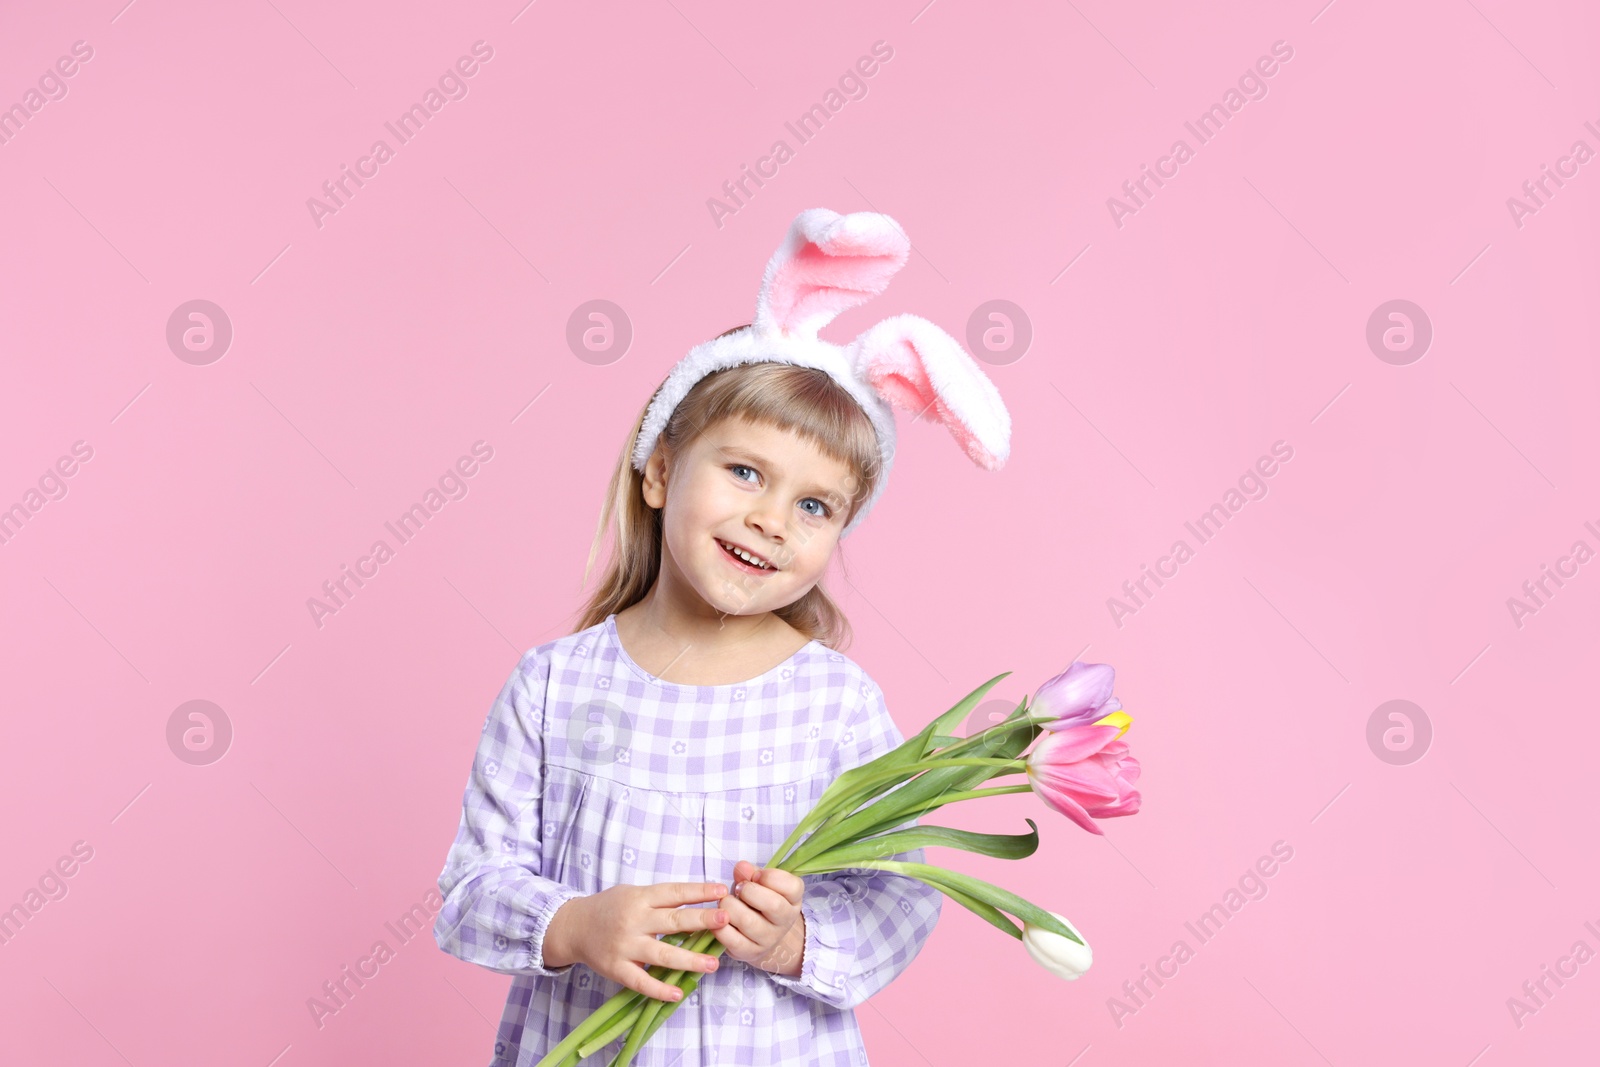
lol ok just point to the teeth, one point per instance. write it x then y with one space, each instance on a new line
747 557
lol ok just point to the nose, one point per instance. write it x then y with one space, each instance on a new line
765 518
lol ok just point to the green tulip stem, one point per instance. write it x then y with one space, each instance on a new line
567 1051
621 1024
940 878
989 735
656 1012
964 794
844 807
825 813
1010 766
806 848
886 813
636 1038
816 847
828 814
625 1003
836 804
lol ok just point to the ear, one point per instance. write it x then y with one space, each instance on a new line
828 263
916 366
655 478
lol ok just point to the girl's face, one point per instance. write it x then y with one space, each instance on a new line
748 487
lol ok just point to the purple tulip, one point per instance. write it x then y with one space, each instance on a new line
1077 696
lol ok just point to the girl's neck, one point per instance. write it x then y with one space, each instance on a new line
703 648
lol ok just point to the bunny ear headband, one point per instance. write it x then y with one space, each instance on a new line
827 264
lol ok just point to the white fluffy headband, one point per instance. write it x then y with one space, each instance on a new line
827 264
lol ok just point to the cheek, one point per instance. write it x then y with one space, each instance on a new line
687 510
680 539
812 556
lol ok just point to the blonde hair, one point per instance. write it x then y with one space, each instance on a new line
804 400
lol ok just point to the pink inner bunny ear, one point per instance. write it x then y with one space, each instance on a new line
828 263
917 367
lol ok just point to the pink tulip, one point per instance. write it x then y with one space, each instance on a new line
1085 772
1077 696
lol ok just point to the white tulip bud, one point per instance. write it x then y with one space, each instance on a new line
1061 956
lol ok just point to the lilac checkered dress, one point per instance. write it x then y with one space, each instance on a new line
592 773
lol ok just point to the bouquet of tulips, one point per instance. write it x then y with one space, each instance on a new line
1080 767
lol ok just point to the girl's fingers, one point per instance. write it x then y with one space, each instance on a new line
759 897
672 894
667 915
681 959
639 980
790 886
786 884
746 920
678 920
736 943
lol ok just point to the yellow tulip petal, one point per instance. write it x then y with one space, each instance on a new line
1120 719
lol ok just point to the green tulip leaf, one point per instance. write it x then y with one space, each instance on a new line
916 747
884 846
944 880
845 793
963 708
920 794
987 912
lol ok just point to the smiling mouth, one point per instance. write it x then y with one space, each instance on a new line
748 559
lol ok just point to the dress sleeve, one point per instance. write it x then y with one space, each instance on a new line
863 926
497 902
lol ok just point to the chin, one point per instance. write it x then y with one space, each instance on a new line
733 601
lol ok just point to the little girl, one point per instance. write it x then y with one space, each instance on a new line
631 769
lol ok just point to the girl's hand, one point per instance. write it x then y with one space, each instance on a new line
765 927
613 932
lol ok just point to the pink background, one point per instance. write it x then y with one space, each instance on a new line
1229 313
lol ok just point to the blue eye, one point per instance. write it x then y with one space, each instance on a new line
823 511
